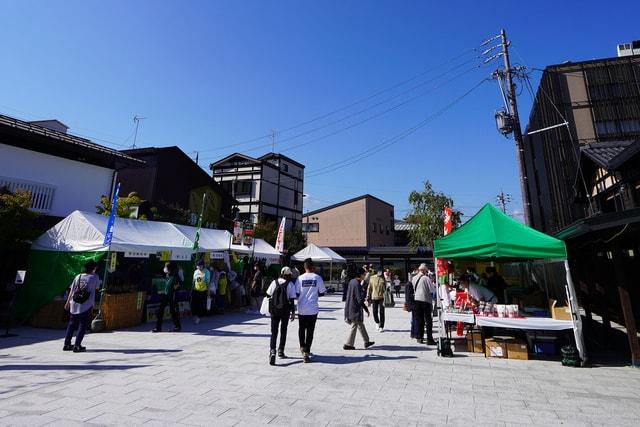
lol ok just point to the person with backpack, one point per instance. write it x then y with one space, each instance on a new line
281 294
80 306
375 298
168 294
309 287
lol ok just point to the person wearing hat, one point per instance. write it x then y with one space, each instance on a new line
281 293
80 305
199 292
422 305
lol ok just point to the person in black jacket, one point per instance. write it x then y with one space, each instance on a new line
496 283
409 301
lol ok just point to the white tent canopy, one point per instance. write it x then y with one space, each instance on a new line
259 249
210 239
318 254
84 231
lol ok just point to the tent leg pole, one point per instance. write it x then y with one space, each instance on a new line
575 314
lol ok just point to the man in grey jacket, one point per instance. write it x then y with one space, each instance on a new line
422 305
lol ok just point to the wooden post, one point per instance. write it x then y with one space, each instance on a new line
627 308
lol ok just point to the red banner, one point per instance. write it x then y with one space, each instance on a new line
448 223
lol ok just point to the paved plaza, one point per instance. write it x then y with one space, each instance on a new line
217 374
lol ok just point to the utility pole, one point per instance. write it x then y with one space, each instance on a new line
517 131
502 199
273 140
136 120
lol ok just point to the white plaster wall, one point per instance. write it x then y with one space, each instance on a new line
78 185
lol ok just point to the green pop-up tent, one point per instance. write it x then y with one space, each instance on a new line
492 235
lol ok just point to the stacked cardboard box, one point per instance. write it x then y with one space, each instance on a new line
474 342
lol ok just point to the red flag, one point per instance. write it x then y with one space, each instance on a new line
448 223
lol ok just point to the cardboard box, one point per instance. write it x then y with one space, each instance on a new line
517 349
496 348
559 313
474 342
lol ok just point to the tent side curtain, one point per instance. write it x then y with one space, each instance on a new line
491 234
49 273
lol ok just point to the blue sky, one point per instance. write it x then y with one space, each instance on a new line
209 74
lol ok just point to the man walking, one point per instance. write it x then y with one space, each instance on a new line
423 305
281 293
375 296
308 288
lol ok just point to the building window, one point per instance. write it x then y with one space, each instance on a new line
375 227
310 227
243 188
285 167
387 230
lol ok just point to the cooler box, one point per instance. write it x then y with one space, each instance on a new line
545 347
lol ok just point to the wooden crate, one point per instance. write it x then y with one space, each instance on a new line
123 310
50 315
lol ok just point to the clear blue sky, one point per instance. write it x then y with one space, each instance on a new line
207 74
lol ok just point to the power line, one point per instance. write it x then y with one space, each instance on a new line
350 105
394 140
369 118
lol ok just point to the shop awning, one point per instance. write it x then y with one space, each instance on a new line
317 254
491 234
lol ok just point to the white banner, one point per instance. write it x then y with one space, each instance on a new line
216 255
280 238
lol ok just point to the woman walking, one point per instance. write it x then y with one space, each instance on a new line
199 292
168 294
80 305
353 308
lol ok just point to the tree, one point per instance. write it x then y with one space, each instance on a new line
266 230
294 240
16 229
427 214
124 207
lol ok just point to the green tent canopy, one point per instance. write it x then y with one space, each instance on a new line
491 234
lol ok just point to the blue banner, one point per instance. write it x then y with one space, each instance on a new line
112 217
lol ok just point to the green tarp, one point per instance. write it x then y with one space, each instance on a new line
49 274
492 235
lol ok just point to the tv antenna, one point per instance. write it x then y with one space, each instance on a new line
136 120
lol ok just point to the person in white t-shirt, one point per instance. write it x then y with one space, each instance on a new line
282 309
309 287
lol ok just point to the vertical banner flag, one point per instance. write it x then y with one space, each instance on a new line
442 265
108 235
448 223
196 240
247 234
280 238
237 232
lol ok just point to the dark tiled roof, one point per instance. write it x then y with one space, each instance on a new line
612 154
64 138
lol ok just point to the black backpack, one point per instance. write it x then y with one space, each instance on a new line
279 303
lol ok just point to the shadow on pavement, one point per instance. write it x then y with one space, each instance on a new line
347 360
134 350
84 367
215 332
402 348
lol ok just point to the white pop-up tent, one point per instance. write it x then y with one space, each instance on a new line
84 231
259 249
318 254
210 239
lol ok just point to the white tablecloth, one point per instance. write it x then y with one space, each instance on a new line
458 317
539 323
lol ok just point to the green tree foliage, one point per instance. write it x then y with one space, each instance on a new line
427 213
266 230
124 207
294 240
16 229
171 213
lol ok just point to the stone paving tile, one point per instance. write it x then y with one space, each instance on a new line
216 373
